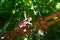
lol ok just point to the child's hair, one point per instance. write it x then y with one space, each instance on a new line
29 18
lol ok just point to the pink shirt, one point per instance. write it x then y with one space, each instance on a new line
21 24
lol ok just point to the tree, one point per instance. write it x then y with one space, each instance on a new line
11 13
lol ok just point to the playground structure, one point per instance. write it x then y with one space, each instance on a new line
42 21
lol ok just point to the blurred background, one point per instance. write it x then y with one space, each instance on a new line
11 13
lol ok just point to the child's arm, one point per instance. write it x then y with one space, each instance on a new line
25 16
28 23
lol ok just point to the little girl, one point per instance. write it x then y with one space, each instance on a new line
25 21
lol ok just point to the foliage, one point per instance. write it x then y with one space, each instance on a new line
11 13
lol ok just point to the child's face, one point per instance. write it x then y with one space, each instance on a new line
29 19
